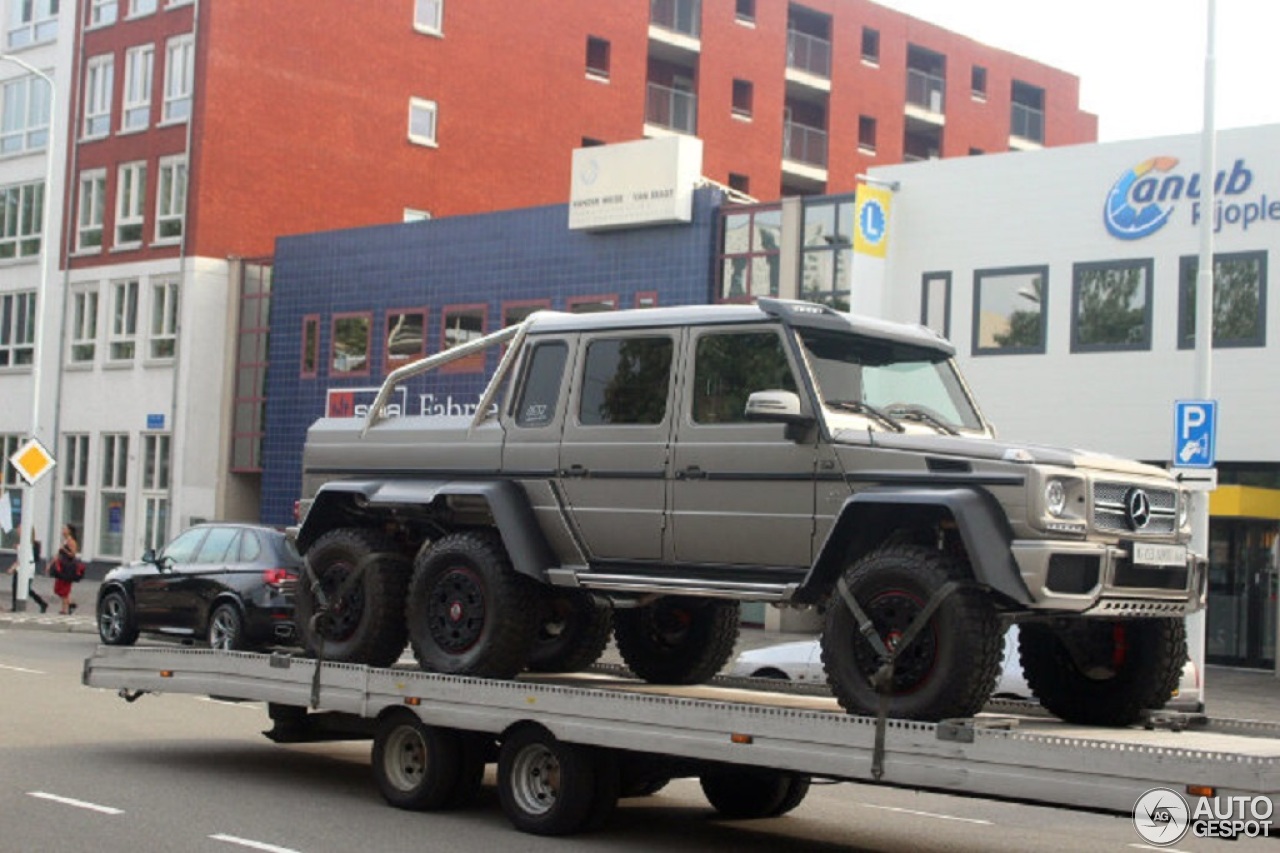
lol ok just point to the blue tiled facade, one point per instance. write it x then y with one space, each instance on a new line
492 260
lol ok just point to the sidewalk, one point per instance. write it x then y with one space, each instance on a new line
1242 694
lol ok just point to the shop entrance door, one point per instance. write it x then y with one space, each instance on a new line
1242 593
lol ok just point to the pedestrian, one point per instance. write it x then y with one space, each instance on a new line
13 570
64 568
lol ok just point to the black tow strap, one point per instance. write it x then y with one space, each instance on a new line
322 611
882 681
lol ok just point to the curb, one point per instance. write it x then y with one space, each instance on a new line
49 622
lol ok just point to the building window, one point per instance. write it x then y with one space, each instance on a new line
827 259
171 198
597 57
462 324
866 134
139 67
163 333
422 122
518 312
740 183
179 78
935 302
428 16
123 334
1026 119
414 215
743 94
592 304
350 355
103 12
1111 306
750 262
131 193
406 336
155 488
24 115
978 82
870 45
74 466
84 326
9 444
99 77
21 221
625 381
138 8
31 22
114 494
647 299
1009 310
1239 300
249 407
745 11
17 329
310 346
92 209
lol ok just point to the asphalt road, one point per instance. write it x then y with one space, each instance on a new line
84 770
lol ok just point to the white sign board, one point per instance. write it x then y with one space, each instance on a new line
649 182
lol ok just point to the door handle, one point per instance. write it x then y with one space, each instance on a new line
693 472
574 471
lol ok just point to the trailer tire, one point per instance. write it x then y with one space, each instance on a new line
469 612
116 623
677 640
1136 665
948 670
549 787
367 624
416 766
572 631
744 793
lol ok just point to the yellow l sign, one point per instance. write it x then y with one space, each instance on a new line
871 209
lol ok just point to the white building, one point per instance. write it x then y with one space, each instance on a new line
1065 277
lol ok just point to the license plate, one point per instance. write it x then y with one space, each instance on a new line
1148 554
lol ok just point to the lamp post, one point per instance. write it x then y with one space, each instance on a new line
26 554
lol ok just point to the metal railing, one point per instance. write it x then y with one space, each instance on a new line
926 90
804 144
679 16
808 53
671 108
1026 122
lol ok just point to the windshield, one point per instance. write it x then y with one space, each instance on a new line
893 382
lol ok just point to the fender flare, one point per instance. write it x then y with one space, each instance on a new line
981 522
527 548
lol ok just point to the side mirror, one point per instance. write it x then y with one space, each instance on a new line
149 555
782 407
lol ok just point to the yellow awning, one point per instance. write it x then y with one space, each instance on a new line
1244 502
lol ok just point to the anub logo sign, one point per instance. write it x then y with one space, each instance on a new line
1147 197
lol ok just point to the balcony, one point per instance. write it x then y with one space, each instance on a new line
804 155
675 29
1026 127
808 61
668 110
926 96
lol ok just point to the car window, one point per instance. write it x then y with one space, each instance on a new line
183 549
250 547
625 381
542 380
217 545
729 367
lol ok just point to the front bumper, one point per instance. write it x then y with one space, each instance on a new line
1099 579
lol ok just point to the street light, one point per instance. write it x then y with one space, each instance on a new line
26 555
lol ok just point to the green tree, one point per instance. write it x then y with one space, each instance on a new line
1112 306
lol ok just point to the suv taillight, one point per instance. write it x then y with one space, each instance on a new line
278 579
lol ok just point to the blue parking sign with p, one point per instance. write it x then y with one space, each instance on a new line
1195 425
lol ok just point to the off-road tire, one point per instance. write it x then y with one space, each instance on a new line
367 624
549 787
1146 658
948 670
744 793
470 612
117 626
677 640
572 631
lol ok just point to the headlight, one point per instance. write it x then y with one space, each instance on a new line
1055 498
1184 508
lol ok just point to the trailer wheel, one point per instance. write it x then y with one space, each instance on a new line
416 766
677 640
116 625
549 787
573 630
469 612
948 670
226 629
1103 672
748 792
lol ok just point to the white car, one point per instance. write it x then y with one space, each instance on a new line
802 662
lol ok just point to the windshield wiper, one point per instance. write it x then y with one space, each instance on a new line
918 413
867 409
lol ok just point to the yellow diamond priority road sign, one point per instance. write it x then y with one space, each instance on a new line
32 461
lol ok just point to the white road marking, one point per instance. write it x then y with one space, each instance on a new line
80 804
252 706
256 845
928 814
1161 849
23 669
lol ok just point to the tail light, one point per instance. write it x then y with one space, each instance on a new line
279 579
297 511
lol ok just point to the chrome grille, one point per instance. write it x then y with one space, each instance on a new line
1110 514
